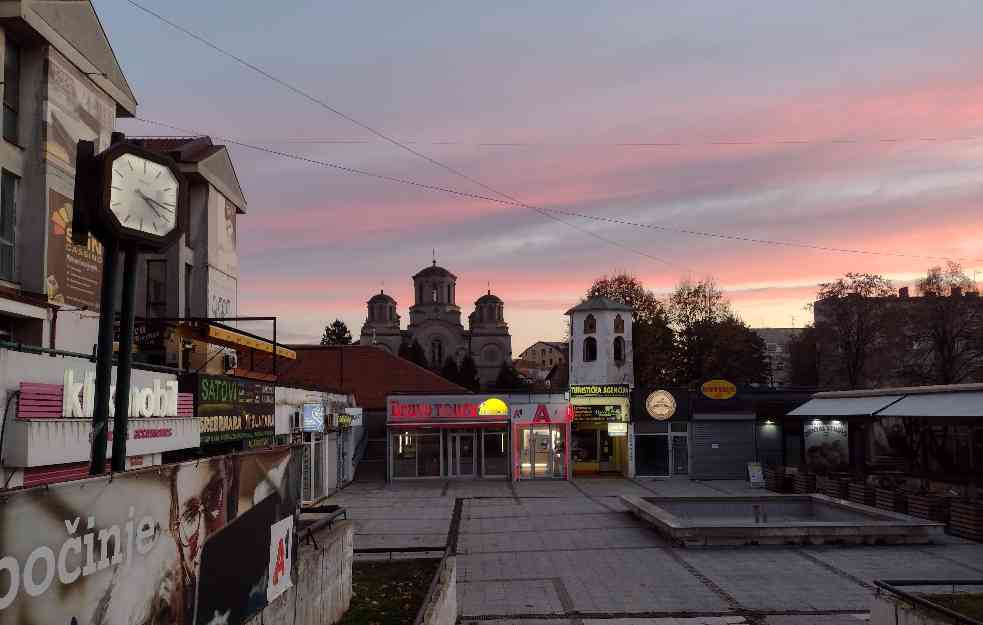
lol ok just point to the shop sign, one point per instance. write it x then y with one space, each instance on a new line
446 409
352 417
75 398
556 412
600 390
598 414
313 416
826 445
661 405
280 564
235 409
718 389
617 429
147 546
755 475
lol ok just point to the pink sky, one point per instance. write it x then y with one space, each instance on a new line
902 79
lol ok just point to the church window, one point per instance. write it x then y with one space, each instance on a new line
436 353
590 324
619 325
619 349
433 294
501 314
449 300
590 349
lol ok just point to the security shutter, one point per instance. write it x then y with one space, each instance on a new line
722 449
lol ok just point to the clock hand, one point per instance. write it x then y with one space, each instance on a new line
152 201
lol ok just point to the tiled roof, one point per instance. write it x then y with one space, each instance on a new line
598 303
369 372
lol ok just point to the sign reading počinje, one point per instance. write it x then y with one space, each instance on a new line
600 390
234 409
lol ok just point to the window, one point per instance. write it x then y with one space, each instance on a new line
619 349
436 353
11 91
619 325
590 324
188 269
156 288
433 295
449 300
8 223
590 349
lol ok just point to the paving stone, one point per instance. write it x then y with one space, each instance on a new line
509 597
893 562
820 619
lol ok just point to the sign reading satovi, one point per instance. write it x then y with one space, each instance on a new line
234 409
718 389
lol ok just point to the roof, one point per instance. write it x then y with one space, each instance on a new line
381 296
434 271
488 298
74 29
370 373
844 406
903 390
562 346
198 155
598 303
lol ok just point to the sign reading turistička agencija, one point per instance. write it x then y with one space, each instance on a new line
78 398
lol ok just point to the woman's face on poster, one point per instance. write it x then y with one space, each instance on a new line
201 507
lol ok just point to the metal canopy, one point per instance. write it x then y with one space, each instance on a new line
844 406
937 405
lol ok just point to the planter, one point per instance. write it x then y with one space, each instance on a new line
862 493
931 507
966 519
892 500
776 480
805 483
835 487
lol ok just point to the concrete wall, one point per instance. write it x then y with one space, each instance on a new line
889 610
440 607
322 589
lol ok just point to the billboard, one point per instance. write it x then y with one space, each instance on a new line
222 236
235 409
76 109
826 446
146 547
74 273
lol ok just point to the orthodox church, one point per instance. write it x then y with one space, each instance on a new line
435 323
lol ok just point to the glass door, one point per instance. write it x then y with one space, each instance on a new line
652 455
460 454
541 452
680 454
605 451
495 457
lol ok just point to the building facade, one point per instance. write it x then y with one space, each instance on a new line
435 323
777 344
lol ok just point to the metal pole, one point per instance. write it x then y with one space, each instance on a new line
104 358
125 365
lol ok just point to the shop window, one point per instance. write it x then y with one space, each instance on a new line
619 349
590 324
8 223
11 91
583 445
404 455
619 325
590 349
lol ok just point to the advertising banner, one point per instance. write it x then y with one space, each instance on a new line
313 418
74 274
76 109
826 446
234 409
146 547
601 413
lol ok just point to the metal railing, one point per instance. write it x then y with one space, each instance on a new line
921 601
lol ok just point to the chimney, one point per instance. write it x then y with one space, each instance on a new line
957 291
903 292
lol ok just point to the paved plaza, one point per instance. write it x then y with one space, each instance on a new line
562 553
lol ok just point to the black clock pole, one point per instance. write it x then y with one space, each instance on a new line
125 365
104 356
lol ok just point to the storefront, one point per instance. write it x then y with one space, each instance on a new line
47 440
447 436
541 439
599 429
723 430
660 424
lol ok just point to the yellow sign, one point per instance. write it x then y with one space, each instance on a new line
493 407
718 389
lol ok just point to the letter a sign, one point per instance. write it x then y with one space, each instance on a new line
542 414
281 552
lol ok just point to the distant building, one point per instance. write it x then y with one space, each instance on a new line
546 354
435 323
777 342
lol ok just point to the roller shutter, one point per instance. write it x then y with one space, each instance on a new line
722 449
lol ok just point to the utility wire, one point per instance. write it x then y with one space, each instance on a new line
381 135
506 202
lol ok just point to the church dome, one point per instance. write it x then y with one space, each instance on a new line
434 271
488 298
381 298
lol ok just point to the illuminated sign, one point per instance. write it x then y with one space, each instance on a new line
313 418
617 429
598 414
718 389
436 408
661 405
493 407
600 390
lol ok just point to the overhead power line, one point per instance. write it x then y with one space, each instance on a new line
567 213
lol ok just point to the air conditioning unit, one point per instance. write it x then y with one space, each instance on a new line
230 361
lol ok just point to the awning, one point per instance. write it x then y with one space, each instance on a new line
937 405
844 406
216 334
724 416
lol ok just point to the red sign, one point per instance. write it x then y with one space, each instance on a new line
542 415
436 411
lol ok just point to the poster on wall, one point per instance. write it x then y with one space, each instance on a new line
235 409
222 236
222 300
826 446
74 273
76 109
144 547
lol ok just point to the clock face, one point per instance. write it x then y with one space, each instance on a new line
143 195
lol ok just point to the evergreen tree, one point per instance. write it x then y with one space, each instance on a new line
449 371
509 379
336 334
414 353
468 374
